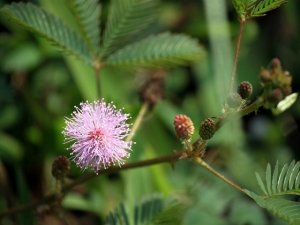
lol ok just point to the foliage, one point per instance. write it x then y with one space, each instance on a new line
137 16
177 49
38 89
48 26
253 8
262 7
154 211
87 14
284 181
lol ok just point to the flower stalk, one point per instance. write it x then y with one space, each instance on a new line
138 121
236 56
202 163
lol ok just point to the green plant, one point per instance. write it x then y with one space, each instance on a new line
128 42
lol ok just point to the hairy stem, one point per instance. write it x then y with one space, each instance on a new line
202 163
138 121
252 107
236 56
52 197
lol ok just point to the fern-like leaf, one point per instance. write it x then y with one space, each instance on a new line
87 13
264 6
48 26
158 51
153 211
126 20
287 210
285 182
242 7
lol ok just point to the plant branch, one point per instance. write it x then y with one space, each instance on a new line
52 197
202 163
252 107
138 121
236 56
164 159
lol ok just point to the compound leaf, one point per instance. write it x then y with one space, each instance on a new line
287 210
158 51
264 6
152 211
87 14
48 26
126 20
282 182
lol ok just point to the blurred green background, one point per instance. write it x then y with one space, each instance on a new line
39 87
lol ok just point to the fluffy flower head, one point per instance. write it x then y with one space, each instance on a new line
97 131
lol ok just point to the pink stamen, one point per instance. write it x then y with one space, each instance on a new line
96 134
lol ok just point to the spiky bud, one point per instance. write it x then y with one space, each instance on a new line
265 76
184 127
207 128
60 167
234 100
245 89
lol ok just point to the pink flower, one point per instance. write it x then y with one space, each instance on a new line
97 131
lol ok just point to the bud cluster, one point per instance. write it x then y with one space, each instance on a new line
276 83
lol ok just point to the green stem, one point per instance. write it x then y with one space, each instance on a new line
202 163
138 121
252 107
236 56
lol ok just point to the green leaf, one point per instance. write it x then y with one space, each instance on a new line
48 26
269 178
261 183
287 210
158 51
286 183
275 178
87 13
126 20
152 211
243 6
286 103
264 6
